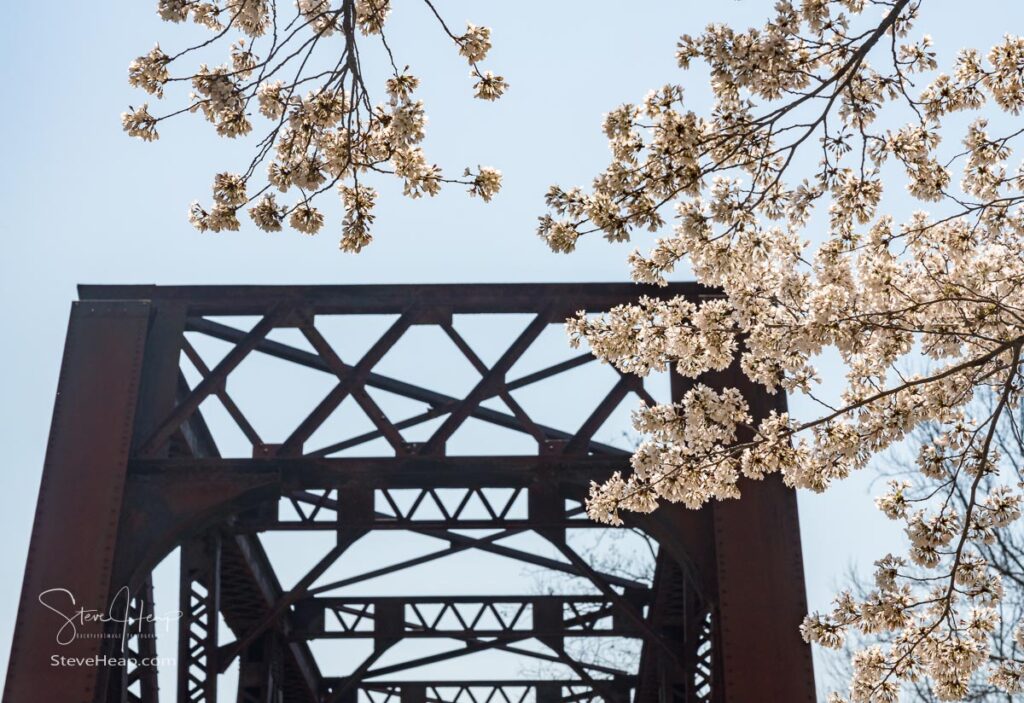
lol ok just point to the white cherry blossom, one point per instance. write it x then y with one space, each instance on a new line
317 130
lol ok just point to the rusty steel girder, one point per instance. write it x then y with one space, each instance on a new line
134 471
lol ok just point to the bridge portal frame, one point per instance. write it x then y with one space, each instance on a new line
132 472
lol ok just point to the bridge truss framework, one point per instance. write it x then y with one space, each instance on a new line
134 471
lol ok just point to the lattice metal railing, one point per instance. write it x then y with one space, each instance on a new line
465 616
508 691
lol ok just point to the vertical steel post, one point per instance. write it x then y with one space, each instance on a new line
74 537
197 629
761 597
137 681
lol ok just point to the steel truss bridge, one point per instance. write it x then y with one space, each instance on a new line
136 469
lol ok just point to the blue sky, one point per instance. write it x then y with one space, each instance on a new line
82 203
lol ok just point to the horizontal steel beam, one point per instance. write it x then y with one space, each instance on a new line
335 601
398 472
567 298
490 635
249 526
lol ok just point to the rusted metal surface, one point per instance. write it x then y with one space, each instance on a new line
719 623
759 579
761 596
74 537
435 301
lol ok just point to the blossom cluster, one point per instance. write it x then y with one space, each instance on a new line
940 290
324 131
